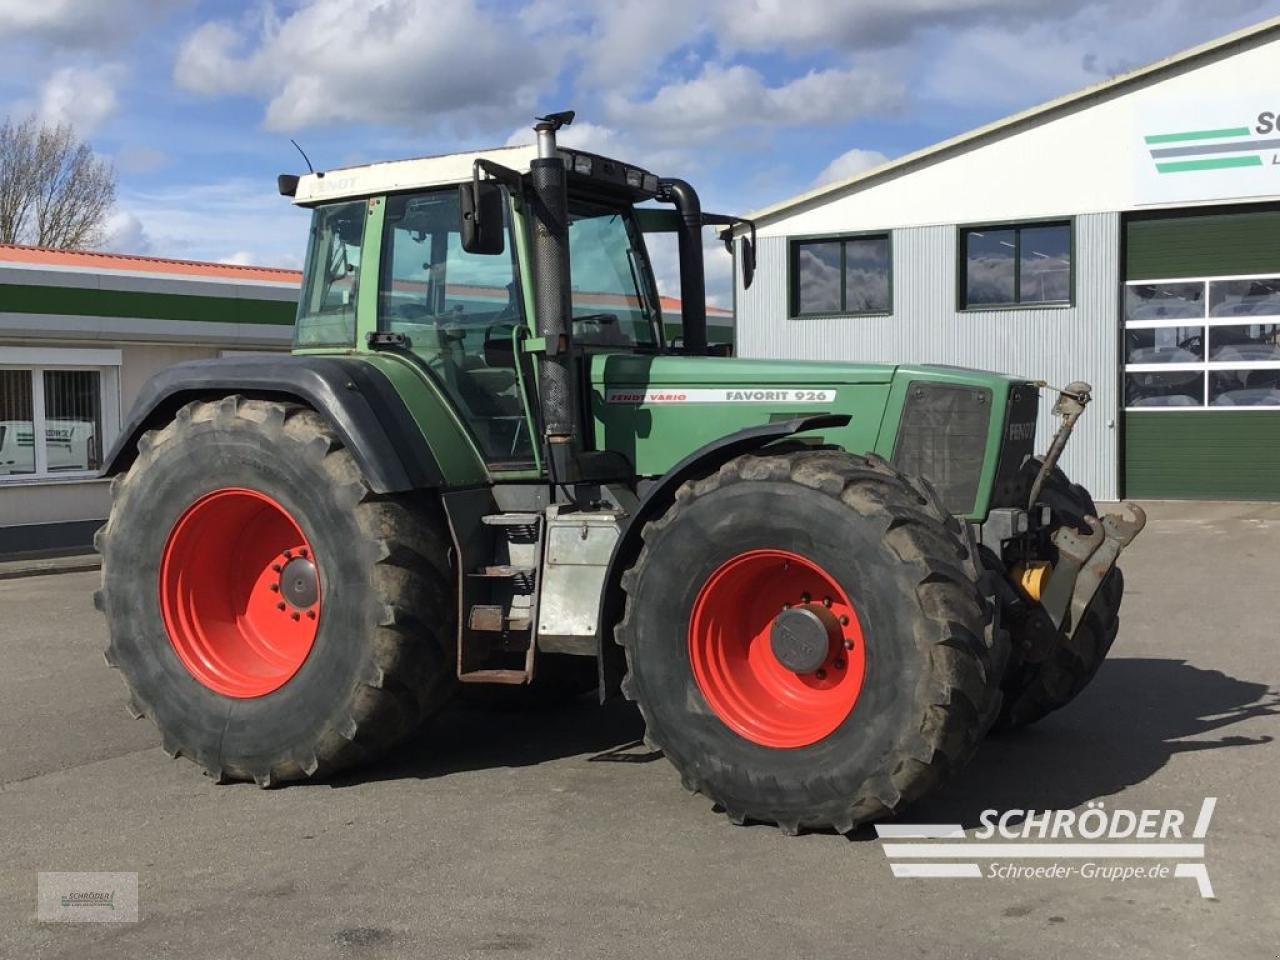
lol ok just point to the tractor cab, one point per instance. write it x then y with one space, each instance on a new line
434 257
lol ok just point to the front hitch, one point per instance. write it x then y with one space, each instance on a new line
1084 560
1084 557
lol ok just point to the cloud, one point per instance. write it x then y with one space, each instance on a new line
91 24
629 39
217 221
126 234
241 258
848 164
797 25
83 97
396 62
722 99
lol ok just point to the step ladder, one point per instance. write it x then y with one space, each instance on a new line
501 619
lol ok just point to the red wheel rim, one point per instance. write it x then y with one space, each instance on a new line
239 592
733 660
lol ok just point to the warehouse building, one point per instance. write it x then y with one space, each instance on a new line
1127 235
79 335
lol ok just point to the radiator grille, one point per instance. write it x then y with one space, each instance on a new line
943 437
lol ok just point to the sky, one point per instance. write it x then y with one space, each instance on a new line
753 101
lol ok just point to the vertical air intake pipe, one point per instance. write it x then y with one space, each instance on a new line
551 298
693 283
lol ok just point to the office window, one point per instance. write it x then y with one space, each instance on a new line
1016 265
56 420
841 275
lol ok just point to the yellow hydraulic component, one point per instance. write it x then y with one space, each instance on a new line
1031 577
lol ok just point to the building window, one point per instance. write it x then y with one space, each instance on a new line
58 412
841 275
1202 343
1016 265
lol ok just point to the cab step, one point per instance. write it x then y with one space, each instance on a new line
512 519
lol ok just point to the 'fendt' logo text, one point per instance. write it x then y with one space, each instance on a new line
1021 431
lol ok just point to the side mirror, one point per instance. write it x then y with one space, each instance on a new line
483 228
748 262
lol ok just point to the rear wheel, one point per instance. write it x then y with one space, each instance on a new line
272 616
1033 689
809 641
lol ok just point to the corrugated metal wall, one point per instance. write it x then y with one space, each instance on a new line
1057 344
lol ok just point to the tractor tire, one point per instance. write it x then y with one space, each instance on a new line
274 618
911 653
1033 690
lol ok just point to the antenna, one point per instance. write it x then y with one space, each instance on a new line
310 168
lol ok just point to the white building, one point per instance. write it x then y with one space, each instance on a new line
1127 235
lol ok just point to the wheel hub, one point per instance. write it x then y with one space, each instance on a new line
802 637
776 648
299 584
240 592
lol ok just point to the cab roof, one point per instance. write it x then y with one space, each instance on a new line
372 179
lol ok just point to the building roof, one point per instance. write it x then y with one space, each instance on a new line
134 263
1029 117
671 308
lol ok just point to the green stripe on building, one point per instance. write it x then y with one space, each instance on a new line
1218 163
1218 134
83 302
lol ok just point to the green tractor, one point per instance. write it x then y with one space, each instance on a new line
489 461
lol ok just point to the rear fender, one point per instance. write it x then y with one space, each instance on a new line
360 403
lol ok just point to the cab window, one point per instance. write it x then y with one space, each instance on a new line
457 311
331 277
611 306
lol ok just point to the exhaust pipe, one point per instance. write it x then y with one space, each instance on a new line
551 297
693 281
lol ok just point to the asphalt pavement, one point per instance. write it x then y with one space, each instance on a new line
559 835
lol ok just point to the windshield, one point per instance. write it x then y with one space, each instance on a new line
612 306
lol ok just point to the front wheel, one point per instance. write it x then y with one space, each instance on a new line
809 641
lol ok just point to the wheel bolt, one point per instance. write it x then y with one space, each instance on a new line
804 597
848 644
826 601
302 552
288 554
295 615
786 606
311 614
280 605
821 674
275 588
844 619
276 567
838 663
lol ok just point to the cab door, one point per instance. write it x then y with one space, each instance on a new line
461 314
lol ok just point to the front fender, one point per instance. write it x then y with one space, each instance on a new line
657 498
356 398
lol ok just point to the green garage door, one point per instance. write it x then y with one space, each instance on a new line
1202 354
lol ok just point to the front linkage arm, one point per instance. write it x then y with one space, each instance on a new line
1084 559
